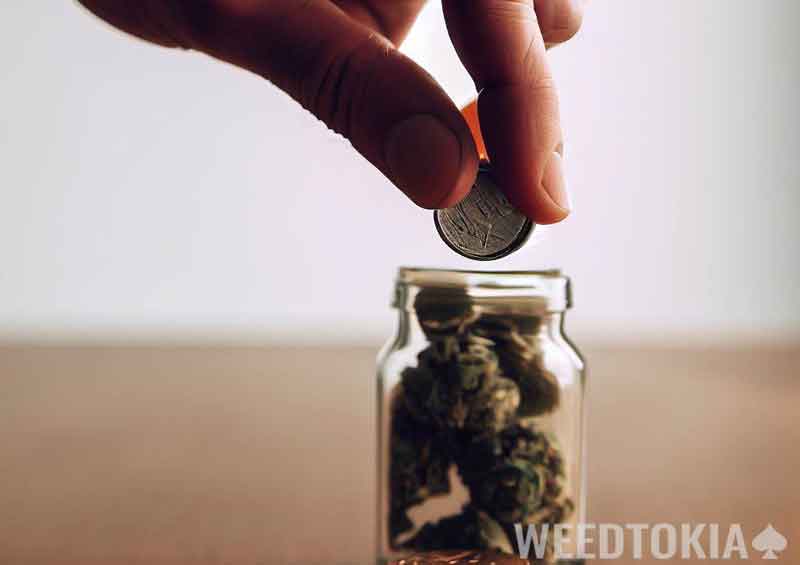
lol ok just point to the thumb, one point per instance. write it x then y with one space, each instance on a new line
350 77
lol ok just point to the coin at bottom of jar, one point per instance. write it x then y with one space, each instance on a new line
484 226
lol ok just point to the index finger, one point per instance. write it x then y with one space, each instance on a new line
501 46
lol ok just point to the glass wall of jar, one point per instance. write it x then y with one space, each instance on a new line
481 403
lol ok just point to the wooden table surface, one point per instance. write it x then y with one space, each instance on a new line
184 455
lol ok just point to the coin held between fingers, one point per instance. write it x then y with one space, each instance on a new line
484 226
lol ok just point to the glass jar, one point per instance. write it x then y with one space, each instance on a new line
481 403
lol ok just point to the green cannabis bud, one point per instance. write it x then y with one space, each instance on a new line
469 407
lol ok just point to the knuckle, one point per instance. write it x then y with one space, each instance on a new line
534 73
543 84
208 23
156 21
341 86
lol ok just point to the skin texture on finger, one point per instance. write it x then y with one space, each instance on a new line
502 48
391 18
344 72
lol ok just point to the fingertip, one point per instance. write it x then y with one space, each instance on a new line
540 192
524 137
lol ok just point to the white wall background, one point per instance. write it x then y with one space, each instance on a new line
152 194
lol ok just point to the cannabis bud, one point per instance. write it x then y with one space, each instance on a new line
468 406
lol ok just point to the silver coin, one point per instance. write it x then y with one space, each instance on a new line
484 226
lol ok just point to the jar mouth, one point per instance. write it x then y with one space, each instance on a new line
544 291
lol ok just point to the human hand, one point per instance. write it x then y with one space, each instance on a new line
338 58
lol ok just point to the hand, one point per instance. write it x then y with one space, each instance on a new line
338 58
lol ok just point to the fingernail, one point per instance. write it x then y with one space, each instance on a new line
424 159
554 182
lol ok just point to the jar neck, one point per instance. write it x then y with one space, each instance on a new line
442 304
513 293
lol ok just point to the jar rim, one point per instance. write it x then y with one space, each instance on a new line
550 288
470 277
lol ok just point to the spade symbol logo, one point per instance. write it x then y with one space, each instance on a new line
769 541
